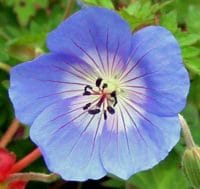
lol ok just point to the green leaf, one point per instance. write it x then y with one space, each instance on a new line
14 31
186 39
169 21
3 56
24 48
145 11
191 114
106 3
141 13
190 52
194 98
26 9
163 176
133 8
158 6
114 183
138 14
192 19
5 84
103 3
29 39
193 64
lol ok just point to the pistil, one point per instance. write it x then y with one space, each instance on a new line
107 100
102 99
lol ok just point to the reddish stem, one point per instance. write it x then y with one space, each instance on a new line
7 137
27 160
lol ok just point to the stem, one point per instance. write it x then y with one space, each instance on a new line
5 67
186 132
27 160
128 185
7 137
79 186
69 8
33 177
157 19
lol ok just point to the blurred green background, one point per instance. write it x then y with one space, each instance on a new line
24 25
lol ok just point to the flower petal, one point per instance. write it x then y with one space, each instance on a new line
156 77
97 35
132 141
43 81
69 139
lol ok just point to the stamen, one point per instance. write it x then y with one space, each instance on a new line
106 99
87 87
98 82
86 92
101 100
113 95
105 114
115 103
87 106
105 85
111 110
94 111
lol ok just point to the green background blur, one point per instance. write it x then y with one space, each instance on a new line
23 29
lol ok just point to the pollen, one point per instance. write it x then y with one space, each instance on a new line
113 84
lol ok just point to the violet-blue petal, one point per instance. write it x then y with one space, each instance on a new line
132 141
44 80
97 35
156 60
69 139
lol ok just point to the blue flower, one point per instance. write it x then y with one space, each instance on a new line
103 100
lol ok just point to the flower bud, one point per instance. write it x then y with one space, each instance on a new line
7 160
3 185
191 166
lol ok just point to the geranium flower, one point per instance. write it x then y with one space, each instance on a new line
103 100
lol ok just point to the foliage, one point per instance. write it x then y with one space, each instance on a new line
163 176
23 29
